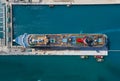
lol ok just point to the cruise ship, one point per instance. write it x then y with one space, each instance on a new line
63 41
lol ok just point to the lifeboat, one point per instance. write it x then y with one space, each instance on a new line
99 58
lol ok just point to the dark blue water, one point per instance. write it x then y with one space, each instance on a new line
61 19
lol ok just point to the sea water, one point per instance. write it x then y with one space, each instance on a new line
62 19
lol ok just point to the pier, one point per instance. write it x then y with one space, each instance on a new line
9 32
67 2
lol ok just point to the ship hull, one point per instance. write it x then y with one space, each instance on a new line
63 41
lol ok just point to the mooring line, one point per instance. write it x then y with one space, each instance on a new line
114 50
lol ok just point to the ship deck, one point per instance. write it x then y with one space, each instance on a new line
67 40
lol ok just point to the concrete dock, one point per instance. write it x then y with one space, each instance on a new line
61 2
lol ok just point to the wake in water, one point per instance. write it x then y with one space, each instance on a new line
110 31
112 39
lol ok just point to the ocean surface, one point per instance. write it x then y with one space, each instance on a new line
62 19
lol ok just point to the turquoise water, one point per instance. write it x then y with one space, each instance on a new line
61 19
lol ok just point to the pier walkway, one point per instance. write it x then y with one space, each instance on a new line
9 32
57 2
